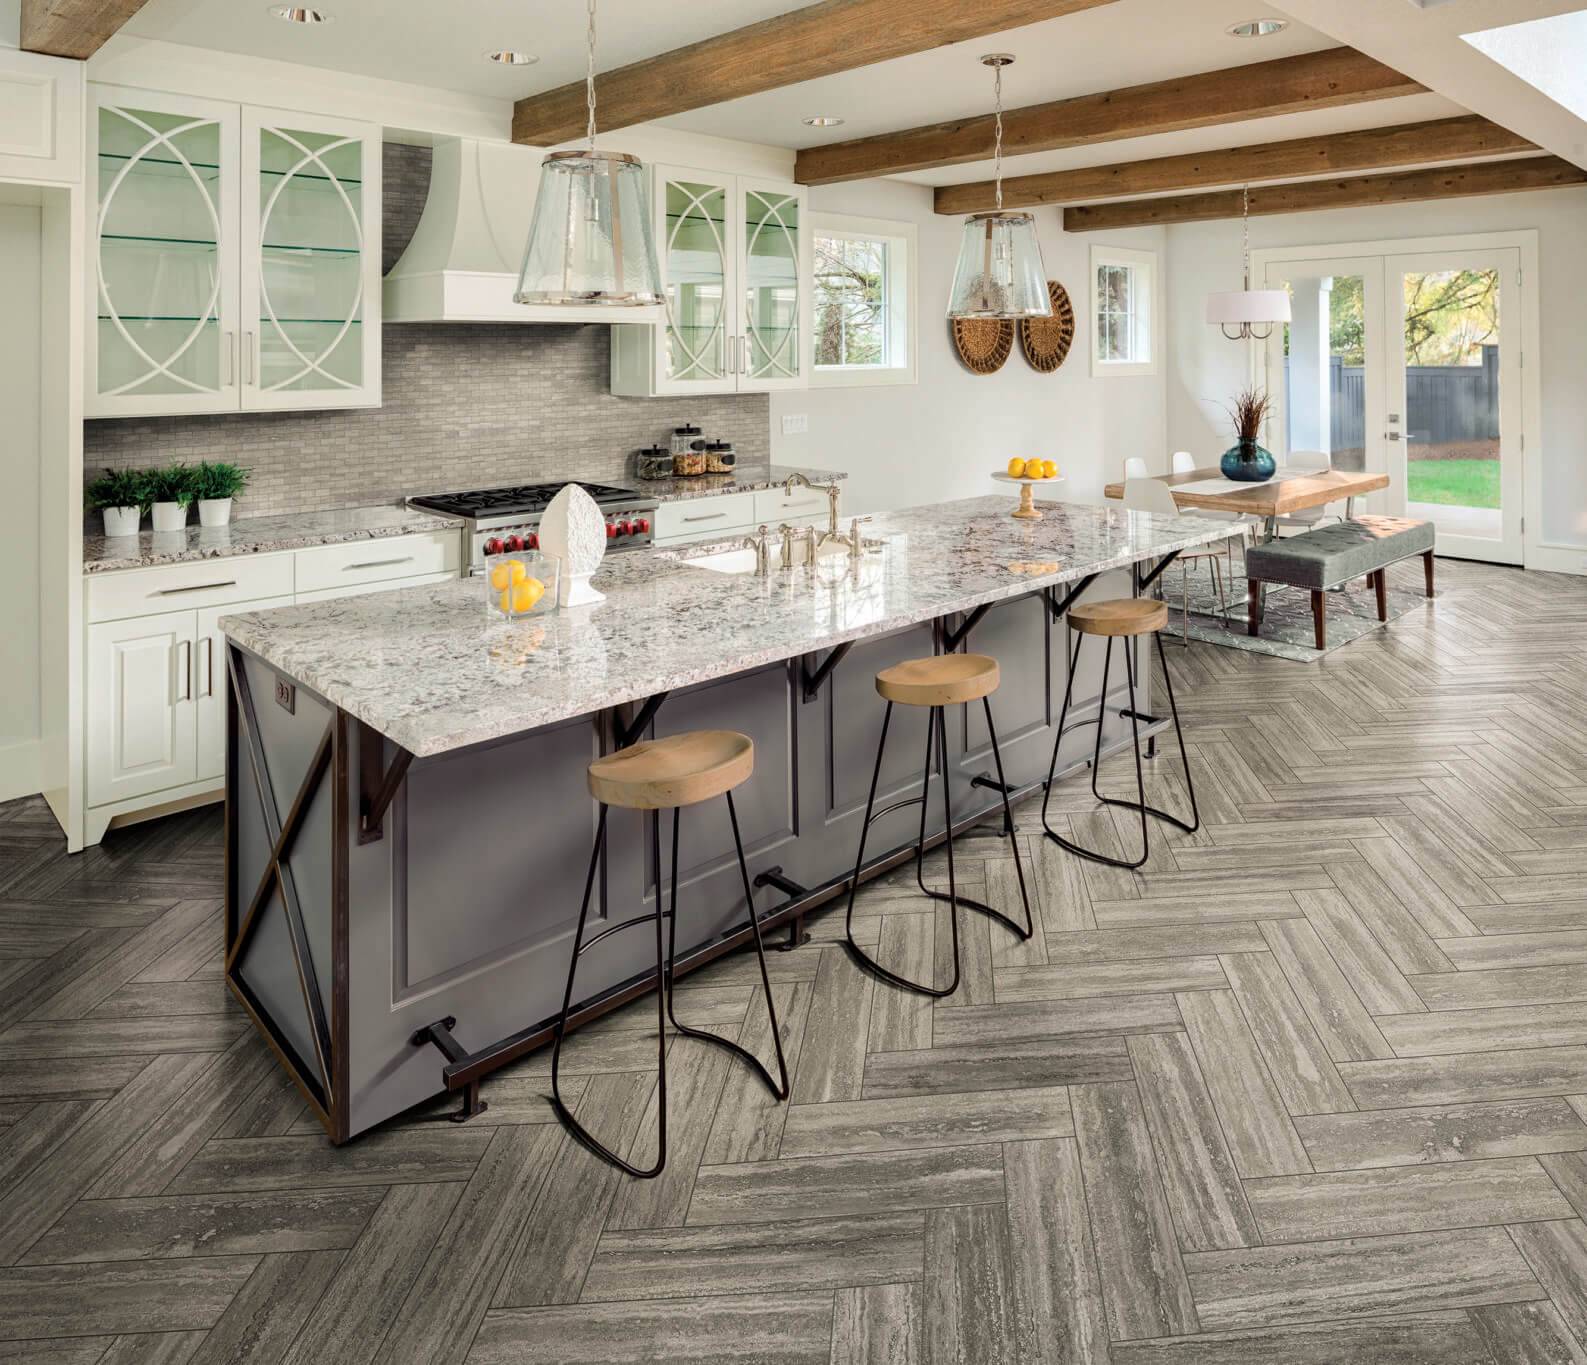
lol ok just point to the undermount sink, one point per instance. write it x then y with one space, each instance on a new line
741 559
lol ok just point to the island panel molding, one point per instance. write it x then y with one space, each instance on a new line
801 45
1448 182
1469 137
1290 85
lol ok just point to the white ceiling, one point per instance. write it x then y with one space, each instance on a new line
1125 43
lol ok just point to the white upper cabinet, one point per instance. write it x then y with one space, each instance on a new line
41 117
735 264
234 258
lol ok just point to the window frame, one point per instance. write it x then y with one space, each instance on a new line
1145 266
900 286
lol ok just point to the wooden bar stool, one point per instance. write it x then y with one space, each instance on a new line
656 775
1120 619
936 683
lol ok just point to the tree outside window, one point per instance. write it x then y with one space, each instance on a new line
851 322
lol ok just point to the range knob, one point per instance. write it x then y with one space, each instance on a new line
641 526
533 541
514 542
493 546
611 531
625 528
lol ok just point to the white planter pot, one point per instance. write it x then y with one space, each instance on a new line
214 511
169 516
122 521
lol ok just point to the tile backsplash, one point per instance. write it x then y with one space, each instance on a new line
466 405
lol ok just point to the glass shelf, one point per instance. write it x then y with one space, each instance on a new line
181 169
285 322
210 246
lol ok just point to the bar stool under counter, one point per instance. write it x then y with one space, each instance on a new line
656 775
1125 619
936 683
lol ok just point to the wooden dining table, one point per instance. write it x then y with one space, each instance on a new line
1280 496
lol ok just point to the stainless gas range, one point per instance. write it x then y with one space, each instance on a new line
508 518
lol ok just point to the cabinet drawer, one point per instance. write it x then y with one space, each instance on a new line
695 517
210 583
807 506
358 589
374 561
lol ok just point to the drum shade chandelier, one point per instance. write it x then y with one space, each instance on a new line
1251 313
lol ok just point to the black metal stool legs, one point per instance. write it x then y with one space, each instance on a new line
1096 759
936 726
665 1005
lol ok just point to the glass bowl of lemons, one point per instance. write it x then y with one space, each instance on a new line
521 583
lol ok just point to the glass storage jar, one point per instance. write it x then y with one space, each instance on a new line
521 583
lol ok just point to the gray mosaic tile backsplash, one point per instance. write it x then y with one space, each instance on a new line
466 405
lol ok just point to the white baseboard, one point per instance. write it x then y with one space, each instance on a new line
1557 558
21 769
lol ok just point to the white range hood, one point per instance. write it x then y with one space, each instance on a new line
462 264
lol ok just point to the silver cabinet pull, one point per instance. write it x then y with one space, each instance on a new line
714 516
228 347
377 564
208 646
196 587
184 669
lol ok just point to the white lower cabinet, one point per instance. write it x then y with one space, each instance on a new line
141 733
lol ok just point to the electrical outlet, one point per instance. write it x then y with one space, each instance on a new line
795 423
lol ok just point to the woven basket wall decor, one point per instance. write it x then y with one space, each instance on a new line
983 344
1046 341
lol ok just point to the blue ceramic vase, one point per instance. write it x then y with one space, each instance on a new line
1247 462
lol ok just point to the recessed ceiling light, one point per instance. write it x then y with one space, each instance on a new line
822 121
507 57
295 14
1258 28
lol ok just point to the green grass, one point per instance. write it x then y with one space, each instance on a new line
1459 483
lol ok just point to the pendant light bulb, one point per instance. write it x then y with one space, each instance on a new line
590 240
1252 313
1000 274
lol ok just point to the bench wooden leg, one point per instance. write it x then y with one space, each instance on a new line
1427 564
1380 581
1319 616
1253 606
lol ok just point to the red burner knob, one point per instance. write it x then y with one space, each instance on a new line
641 526
515 542
625 528
533 542
493 546
611 531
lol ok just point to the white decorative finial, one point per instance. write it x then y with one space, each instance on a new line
574 531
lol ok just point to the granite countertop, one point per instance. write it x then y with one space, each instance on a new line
430 668
749 479
256 536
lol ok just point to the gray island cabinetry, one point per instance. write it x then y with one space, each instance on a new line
408 822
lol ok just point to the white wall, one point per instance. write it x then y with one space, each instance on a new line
939 439
20 512
1205 371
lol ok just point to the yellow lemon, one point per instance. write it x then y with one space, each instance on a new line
499 578
526 594
1049 470
1016 468
504 603
519 573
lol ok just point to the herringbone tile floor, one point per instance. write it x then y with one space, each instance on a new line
1311 1087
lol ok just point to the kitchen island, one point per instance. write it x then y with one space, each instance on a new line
408 823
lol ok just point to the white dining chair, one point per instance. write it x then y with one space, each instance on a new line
1135 468
1184 462
1307 462
1154 496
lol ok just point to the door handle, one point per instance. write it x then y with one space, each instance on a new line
1392 435
714 516
377 564
208 646
228 346
184 669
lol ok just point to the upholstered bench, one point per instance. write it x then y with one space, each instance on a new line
1334 555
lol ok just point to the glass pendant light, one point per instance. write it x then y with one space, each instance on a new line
590 239
1000 272
1248 310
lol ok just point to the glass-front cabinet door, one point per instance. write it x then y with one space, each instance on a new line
696 239
772 284
163 254
311 263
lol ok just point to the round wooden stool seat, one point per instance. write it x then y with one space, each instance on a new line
942 680
1121 616
679 770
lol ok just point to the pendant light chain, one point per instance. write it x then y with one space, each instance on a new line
997 145
589 81
1245 229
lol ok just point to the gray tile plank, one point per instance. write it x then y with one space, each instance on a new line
832 1056
1144 1285
1557 1254
33 1136
142 1296
967 1293
994 1065
73 1038
1407 942
1454 1132
1296 1058
1545 948
1362 1277
1375 1341
1500 986
1462 1077
1070 981
749 1118
1196 906
1336 1012
1375 976
1262 1139
877 1324
841 1186
1092 946
260 1322
1526 1334
902 1019
943 1120
1478 1030
148 944
1054 1019
391 1156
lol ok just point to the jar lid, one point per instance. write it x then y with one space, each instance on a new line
718 446
656 450
686 431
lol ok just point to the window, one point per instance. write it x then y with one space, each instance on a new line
1124 311
864 301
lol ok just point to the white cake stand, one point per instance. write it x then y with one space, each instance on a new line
1027 509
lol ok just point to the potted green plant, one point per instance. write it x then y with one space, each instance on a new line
215 484
120 495
170 489
1246 461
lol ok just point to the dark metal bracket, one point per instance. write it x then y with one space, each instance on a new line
1059 608
952 639
812 681
440 1035
992 784
377 787
1148 579
773 876
630 733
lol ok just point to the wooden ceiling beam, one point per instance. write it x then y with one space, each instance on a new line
73 28
1405 187
1290 85
1467 138
802 45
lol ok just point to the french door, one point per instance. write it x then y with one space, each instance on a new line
1409 364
